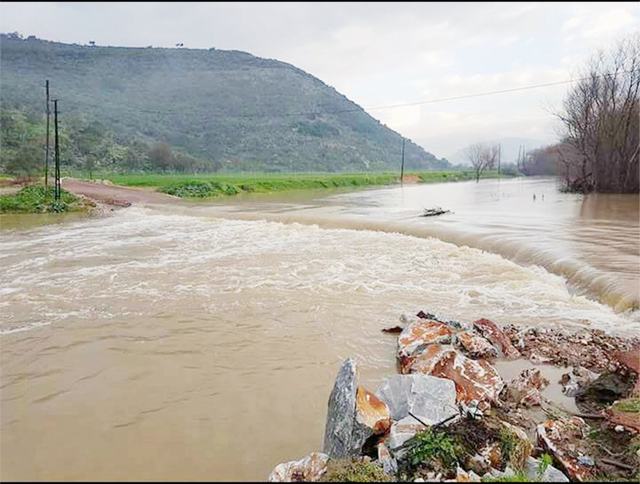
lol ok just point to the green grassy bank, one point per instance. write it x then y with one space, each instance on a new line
37 199
215 185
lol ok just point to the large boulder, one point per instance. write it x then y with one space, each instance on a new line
474 379
427 359
354 414
603 391
419 334
308 469
341 412
371 418
476 346
490 330
429 398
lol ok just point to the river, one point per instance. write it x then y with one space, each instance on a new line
200 341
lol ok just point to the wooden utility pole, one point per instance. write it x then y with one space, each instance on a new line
46 150
57 152
402 166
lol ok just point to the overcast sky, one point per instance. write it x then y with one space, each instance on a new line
379 54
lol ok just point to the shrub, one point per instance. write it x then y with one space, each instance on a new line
351 470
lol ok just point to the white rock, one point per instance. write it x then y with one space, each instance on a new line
429 398
551 474
309 469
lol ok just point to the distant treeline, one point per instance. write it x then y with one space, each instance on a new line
86 146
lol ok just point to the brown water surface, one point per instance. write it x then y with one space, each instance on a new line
189 342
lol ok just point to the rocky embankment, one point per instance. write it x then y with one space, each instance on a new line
449 415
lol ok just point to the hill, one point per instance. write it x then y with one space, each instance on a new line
225 109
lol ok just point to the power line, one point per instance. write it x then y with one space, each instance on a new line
359 109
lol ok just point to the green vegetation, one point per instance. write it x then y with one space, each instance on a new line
519 476
192 110
215 185
350 470
545 462
432 445
629 405
514 449
35 199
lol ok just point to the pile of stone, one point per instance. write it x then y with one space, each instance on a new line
447 383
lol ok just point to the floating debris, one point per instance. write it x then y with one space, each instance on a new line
432 212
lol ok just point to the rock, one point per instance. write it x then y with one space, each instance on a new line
603 391
492 453
577 378
341 412
427 359
475 345
563 438
308 469
388 463
371 418
429 398
419 334
464 476
474 379
525 390
477 463
520 445
354 414
403 430
630 359
537 359
551 474
471 409
422 315
586 461
625 413
490 330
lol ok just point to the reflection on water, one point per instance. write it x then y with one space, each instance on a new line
169 343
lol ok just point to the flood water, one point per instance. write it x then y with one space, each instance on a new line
191 342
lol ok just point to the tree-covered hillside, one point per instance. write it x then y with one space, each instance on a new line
216 109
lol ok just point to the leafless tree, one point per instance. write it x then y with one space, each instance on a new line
601 117
482 157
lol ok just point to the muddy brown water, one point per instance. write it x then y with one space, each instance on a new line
200 341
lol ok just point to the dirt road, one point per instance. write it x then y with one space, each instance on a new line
115 195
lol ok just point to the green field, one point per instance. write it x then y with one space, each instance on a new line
215 185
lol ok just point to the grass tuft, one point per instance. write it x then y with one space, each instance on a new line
351 470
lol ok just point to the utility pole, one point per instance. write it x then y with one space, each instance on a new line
57 152
499 158
402 167
46 150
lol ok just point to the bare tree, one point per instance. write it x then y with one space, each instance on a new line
601 117
482 157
